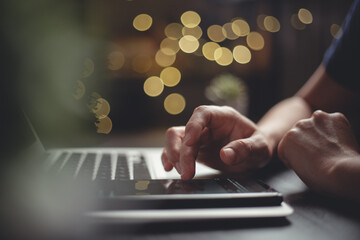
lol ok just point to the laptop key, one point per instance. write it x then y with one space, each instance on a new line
104 171
141 170
122 168
87 167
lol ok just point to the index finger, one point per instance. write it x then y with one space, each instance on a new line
196 124
194 130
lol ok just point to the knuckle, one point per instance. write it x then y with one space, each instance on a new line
340 117
200 109
243 148
229 108
303 123
171 132
318 114
292 133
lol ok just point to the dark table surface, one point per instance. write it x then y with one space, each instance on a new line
315 216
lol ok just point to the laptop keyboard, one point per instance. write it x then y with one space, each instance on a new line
104 170
71 165
122 168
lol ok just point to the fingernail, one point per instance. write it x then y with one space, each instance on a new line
229 155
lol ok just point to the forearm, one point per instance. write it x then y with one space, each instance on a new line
280 118
319 92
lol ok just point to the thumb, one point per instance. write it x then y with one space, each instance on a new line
237 151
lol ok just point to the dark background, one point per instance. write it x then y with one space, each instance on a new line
47 41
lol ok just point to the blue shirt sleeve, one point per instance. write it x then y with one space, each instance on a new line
342 59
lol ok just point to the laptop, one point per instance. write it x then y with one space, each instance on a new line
129 185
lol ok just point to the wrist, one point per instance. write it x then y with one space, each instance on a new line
345 174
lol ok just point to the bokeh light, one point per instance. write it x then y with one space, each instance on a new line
240 27
164 60
116 60
215 33
103 125
271 24
170 76
208 50
88 68
223 56
101 108
188 44
142 63
255 41
296 23
336 30
242 54
94 96
228 31
173 31
174 103
195 31
80 90
260 21
169 46
153 86
190 19
305 16
142 22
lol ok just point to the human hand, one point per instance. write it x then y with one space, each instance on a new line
219 137
322 150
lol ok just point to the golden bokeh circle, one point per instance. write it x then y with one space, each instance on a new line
296 23
242 54
170 76
271 24
116 60
228 31
190 19
164 60
215 33
173 31
142 22
94 96
174 103
188 44
240 27
305 16
103 125
101 108
255 41
260 21
169 46
153 86
195 31
208 50
223 56
336 30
